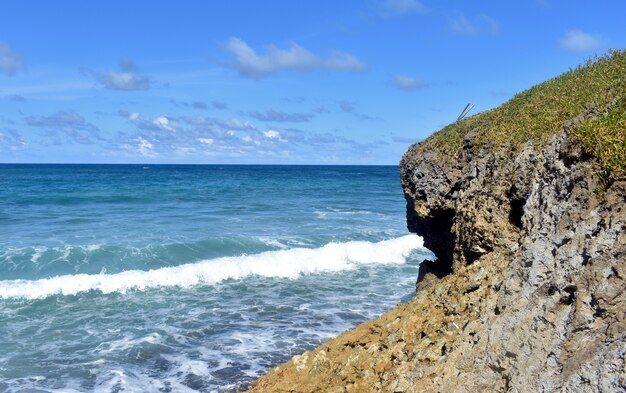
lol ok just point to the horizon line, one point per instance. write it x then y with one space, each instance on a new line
189 164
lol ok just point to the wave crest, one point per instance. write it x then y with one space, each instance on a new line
289 263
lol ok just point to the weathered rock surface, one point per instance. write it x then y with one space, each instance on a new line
527 293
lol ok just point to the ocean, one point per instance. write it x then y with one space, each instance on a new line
185 278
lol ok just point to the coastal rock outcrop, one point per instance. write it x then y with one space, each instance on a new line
554 246
524 207
527 293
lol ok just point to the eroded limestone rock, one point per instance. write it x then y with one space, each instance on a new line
527 293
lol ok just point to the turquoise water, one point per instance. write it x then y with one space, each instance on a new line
125 278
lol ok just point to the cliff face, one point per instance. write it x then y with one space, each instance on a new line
553 252
527 293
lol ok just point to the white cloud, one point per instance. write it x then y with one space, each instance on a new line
145 148
248 139
206 141
482 24
237 124
10 61
272 116
12 140
462 25
401 7
405 82
122 81
127 78
273 134
163 123
133 116
295 58
579 41
183 150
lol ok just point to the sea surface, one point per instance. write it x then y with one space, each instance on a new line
168 278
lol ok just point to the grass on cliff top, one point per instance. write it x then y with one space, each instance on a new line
605 138
537 113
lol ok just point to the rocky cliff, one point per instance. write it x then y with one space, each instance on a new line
528 290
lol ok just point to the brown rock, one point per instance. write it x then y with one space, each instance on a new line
527 295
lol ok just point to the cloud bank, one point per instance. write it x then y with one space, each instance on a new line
276 116
251 64
69 123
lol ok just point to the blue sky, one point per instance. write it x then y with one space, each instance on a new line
272 82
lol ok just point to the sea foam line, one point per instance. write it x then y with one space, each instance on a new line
290 263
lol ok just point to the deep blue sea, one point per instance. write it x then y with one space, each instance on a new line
168 278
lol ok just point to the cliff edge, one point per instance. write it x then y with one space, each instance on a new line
528 290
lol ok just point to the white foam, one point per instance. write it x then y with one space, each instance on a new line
268 241
36 252
126 342
290 263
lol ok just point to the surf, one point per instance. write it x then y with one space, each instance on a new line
285 264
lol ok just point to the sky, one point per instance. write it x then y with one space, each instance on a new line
272 82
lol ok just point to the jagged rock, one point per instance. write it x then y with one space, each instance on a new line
527 293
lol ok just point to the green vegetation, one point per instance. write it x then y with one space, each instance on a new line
605 138
537 113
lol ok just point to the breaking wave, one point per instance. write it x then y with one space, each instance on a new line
288 263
